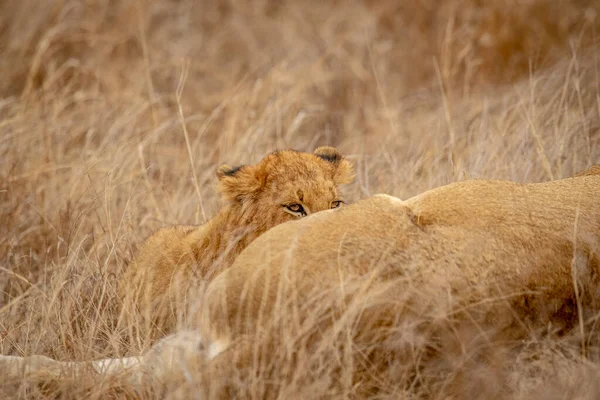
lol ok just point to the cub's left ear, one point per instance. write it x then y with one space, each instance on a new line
237 183
343 171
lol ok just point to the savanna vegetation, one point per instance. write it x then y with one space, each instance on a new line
114 115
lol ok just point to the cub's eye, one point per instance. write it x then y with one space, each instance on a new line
337 203
295 209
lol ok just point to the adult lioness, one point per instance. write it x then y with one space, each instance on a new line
498 236
385 292
283 186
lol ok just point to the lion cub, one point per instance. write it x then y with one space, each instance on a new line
283 186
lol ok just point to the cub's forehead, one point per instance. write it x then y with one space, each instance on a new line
306 192
304 185
297 166
302 178
292 175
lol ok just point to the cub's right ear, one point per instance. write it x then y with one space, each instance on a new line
237 183
343 171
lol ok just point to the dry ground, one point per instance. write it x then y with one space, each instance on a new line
115 113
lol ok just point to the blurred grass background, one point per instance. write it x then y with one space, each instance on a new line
107 106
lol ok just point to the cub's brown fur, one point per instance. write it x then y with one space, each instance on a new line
283 186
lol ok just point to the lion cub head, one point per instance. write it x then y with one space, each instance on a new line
285 185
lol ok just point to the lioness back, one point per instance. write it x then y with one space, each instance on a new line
467 265
283 186
593 170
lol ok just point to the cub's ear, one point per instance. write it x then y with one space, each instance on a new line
343 171
328 153
227 170
236 183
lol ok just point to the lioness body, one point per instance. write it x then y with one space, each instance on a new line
473 262
494 232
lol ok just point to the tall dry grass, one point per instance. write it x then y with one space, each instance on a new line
115 114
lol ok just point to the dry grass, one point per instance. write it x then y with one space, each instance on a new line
97 98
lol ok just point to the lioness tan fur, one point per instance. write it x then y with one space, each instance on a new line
472 262
386 294
283 186
522 230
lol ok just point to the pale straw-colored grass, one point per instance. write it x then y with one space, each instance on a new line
115 114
